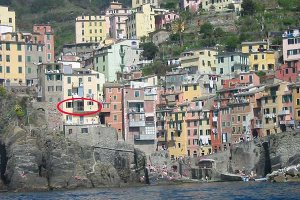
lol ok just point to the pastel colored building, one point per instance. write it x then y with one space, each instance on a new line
43 33
204 59
230 63
12 59
113 59
191 5
141 22
261 58
296 103
219 5
138 3
116 16
91 29
291 45
163 21
7 18
288 72
139 116
34 54
112 112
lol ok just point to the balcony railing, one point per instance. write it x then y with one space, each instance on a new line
289 122
215 119
284 112
145 137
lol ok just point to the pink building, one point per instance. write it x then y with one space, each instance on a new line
164 21
243 79
116 16
288 73
111 113
291 45
140 116
46 37
192 5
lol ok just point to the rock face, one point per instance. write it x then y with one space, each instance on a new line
261 156
42 161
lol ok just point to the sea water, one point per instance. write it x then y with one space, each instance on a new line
215 191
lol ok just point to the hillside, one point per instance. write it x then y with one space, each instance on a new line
60 13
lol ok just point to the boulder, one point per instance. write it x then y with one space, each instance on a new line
292 171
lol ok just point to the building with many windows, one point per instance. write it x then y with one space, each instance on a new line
90 29
141 22
291 46
12 59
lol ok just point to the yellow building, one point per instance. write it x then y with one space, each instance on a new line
190 91
90 29
7 17
12 59
82 83
141 22
137 3
176 135
296 103
205 59
260 57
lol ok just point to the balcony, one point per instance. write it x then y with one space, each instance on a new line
215 119
144 137
258 126
137 123
289 122
137 120
284 112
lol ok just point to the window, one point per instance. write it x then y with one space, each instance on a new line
7 47
48 46
19 47
48 37
274 110
0 69
28 58
19 58
69 104
244 118
239 118
195 131
232 58
7 58
242 77
136 93
195 87
90 103
221 70
0 57
115 97
20 70
69 92
7 69
115 118
186 88
298 100
115 107
89 79
189 132
50 99
195 123
49 56
84 130
298 112
255 57
188 124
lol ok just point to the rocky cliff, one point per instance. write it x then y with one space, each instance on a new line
33 158
262 156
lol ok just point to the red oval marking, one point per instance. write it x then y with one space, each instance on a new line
79 114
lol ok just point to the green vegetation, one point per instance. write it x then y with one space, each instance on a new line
2 91
19 111
150 50
158 67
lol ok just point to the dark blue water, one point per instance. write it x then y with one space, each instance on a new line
215 191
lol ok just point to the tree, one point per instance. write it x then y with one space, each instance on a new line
231 43
150 50
248 7
2 91
178 28
207 30
231 6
